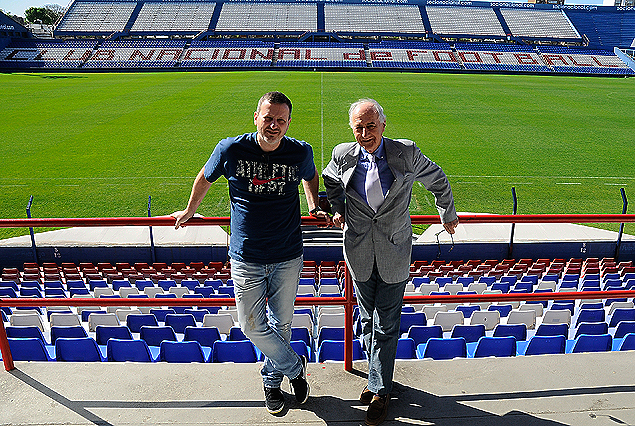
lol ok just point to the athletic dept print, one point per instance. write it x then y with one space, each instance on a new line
266 178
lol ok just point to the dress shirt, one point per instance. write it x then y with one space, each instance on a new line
359 175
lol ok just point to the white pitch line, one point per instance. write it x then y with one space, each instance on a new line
568 183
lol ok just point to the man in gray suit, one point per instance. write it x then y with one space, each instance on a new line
369 185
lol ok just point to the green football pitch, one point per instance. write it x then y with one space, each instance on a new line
98 144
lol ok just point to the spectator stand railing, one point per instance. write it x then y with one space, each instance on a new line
348 301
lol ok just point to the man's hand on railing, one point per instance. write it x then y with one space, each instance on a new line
181 217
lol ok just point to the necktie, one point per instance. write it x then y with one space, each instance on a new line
374 194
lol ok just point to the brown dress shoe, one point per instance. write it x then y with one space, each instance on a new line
377 410
366 396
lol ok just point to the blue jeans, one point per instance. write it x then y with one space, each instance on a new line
380 314
265 294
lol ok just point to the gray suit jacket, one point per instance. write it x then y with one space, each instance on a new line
384 237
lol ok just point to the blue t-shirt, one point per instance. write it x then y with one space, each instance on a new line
264 195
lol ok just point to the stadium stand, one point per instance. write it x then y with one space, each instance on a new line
137 53
96 17
275 17
321 55
217 53
549 24
574 320
420 36
413 55
173 16
353 18
447 20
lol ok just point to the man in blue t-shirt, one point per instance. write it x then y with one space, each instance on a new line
263 170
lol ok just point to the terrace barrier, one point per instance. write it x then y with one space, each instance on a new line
348 301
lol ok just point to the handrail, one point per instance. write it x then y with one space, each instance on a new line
348 300
308 220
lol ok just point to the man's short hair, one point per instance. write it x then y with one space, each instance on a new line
378 108
275 98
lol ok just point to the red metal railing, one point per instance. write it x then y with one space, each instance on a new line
348 301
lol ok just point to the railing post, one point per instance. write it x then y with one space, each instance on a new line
619 235
348 321
153 255
5 349
28 215
510 248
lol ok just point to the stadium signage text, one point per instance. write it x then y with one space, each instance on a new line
291 55
7 27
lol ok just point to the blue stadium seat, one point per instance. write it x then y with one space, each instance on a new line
119 350
442 281
83 349
198 314
502 286
242 351
30 292
628 343
86 313
406 348
330 333
422 333
621 315
443 349
302 349
29 349
623 328
552 330
28 331
592 328
67 332
166 284
303 334
517 331
471 333
154 335
103 333
179 321
117 284
410 319
160 313
226 290
206 336
136 321
8 292
331 350
182 352
539 345
495 346
504 310
590 315
593 343
468 310
562 305
487 280
236 333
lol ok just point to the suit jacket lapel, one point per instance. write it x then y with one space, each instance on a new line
397 166
348 168
349 164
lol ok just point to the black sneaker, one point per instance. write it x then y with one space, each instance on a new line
299 385
274 400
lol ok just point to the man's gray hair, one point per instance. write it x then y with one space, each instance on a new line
378 108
